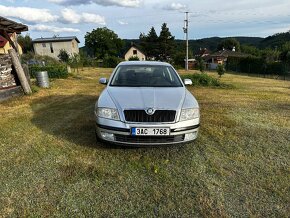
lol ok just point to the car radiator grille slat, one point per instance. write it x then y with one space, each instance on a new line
149 139
142 116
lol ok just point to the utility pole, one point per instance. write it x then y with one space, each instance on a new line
185 29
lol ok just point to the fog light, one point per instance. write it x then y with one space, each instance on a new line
190 136
108 136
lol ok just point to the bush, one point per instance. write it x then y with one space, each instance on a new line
221 70
134 58
54 71
30 57
111 61
202 79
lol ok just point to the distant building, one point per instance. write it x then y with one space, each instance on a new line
221 57
5 45
135 52
52 46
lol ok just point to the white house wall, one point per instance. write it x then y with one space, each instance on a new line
70 46
129 54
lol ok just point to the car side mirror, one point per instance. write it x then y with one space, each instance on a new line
187 82
103 81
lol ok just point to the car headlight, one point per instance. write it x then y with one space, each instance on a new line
189 114
109 113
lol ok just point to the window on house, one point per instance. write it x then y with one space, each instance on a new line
73 45
43 45
134 52
51 48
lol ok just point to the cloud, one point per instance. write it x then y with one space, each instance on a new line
93 18
120 3
70 16
122 22
33 15
54 29
175 7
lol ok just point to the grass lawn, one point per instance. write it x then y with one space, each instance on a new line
239 165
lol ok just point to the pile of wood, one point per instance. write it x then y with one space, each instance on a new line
6 77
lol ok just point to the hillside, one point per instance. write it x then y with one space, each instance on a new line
276 40
209 43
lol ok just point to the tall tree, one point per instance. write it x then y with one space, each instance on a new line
229 44
26 43
150 43
103 42
166 43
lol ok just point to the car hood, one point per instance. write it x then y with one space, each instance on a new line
147 97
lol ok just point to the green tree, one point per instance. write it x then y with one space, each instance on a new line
252 50
200 64
63 56
166 43
270 55
103 41
229 44
221 70
26 43
150 44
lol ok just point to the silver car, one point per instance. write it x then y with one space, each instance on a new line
146 103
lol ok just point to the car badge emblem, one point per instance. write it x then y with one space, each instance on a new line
150 111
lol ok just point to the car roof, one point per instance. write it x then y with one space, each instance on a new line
157 63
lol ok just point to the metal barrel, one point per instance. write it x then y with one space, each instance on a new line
42 79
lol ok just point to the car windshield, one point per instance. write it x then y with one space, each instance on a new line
145 76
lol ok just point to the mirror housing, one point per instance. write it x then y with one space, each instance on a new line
187 82
103 81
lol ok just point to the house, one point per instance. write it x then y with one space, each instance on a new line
221 57
203 52
5 45
135 52
51 46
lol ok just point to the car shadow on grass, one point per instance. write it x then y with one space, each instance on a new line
68 117
71 118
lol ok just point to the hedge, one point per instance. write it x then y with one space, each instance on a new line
255 65
54 71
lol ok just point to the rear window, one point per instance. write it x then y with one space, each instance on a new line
145 76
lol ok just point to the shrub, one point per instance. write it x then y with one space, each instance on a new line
200 64
54 71
63 56
111 61
221 70
133 58
202 79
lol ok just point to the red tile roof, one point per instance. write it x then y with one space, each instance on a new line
3 41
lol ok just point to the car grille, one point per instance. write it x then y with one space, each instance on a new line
142 116
149 139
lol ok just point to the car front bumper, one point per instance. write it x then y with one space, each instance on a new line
118 132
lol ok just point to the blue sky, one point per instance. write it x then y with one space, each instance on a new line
128 18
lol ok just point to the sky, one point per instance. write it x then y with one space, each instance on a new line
129 18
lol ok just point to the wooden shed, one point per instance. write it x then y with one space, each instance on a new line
13 80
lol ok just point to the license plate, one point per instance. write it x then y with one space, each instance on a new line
150 131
